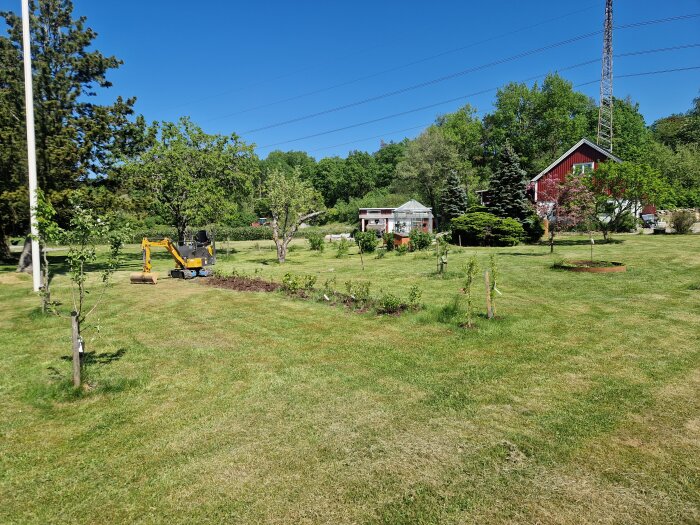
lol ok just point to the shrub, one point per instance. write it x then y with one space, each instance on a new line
401 249
291 284
388 303
358 291
419 240
485 229
316 242
534 230
342 248
414 297
682 220
367 241
625 224
388 241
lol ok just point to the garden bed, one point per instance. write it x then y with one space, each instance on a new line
588 266
242 284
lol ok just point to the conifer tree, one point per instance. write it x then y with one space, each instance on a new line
454 198
507 192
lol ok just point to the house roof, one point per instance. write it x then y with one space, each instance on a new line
574 148
412 205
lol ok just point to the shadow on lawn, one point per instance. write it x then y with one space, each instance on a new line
582 242
105 358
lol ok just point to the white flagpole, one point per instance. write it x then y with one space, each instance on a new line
31 146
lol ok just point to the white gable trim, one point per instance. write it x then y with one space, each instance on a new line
571 150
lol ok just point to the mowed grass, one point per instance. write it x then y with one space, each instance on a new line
579 404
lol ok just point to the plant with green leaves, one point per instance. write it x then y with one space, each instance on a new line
190 177
292 201
367 241
316 242
85 232
342 248
470 271
388 303
621 188
401 249
419 240
388 239
78 135
493 276
414 297
442 248
48 232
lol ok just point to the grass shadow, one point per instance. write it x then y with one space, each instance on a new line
105 358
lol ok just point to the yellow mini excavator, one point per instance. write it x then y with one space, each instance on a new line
192 258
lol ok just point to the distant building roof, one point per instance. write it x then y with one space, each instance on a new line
412 206
573 148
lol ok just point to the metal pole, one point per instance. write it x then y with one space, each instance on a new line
31 147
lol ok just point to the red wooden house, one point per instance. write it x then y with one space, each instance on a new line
584 156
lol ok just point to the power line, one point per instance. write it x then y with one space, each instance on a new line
424 125
401 66
467 71
387 117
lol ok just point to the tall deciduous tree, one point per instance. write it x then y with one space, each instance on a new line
292 201
429 159
75 137
507 192
191 177
622 189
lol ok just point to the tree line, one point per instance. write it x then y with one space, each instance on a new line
108 157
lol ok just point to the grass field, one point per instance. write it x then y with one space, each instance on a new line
579 404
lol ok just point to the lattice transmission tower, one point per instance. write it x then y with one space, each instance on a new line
605 111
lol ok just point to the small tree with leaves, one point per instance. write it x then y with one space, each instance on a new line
85 232
620 189
292 201
469 275
48 232
570 205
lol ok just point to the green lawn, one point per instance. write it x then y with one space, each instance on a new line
580 404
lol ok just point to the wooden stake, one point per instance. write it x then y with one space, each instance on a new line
76 348
487 281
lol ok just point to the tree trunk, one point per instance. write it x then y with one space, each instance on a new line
551 241
25 258
4 247
75 325
46 285
281 251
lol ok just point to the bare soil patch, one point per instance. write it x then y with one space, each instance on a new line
242 284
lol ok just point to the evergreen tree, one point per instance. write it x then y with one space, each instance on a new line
454 198
76 139
507 192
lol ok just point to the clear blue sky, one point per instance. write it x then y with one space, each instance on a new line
213 60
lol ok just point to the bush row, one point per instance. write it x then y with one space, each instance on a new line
237 233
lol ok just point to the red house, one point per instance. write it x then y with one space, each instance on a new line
584 156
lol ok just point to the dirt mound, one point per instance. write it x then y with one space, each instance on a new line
242 284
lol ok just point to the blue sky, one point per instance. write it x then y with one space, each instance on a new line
220 62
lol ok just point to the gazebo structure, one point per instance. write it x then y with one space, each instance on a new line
413 216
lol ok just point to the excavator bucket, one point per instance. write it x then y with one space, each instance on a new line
143 278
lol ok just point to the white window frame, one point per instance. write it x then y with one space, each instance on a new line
583 167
